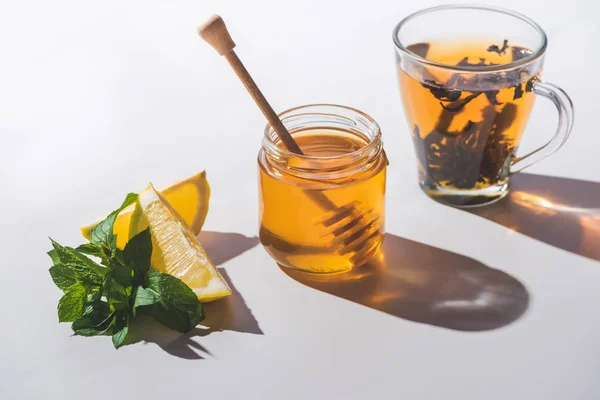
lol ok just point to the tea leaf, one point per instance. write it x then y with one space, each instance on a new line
441 93
459 105
491 96
518 91
420 49
476 153
496 49
465 63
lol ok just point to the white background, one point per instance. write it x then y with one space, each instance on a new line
99 98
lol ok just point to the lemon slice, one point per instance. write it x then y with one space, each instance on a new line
188 197
175 249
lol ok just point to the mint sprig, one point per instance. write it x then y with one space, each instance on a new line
103 298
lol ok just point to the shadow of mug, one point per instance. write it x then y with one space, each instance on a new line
561 212
426 284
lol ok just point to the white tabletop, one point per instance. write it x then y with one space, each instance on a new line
98 98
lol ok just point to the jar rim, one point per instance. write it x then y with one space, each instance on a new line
374 139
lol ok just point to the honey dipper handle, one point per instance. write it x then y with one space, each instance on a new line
262 103
215 33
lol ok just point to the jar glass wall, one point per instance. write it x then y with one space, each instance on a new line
324 211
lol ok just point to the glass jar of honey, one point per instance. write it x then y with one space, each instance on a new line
323 211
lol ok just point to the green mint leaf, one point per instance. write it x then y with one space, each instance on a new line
102 234
137 254
91 249
85 275
174 318
120 328
118 256
117 295
100 300
62 276
70 306
144 297
94 295
118 287
67 255
171 289
54 256
178 307
83 268
118 338
123 275
95 321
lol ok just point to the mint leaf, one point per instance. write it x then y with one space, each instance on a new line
62 276
177 307
85 275
137 254
173 317
67 255
124 276
101 299
94 295
118 287
70 306
54 256
102 234
91 249
95 321
118 256
117 295
119 338
83 268
144 297
120 328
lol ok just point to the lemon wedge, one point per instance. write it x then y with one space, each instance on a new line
175 249
188 197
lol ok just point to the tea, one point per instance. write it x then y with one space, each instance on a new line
290 228
466 125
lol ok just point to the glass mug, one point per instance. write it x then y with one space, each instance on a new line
468 77
323 211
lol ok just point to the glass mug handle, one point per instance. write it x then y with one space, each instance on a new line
566 115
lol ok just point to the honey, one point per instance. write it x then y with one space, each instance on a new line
323 211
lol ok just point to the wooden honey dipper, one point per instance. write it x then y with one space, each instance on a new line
351 227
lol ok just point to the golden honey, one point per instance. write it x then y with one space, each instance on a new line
323 211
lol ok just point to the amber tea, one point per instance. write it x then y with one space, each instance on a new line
468 77
466 127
